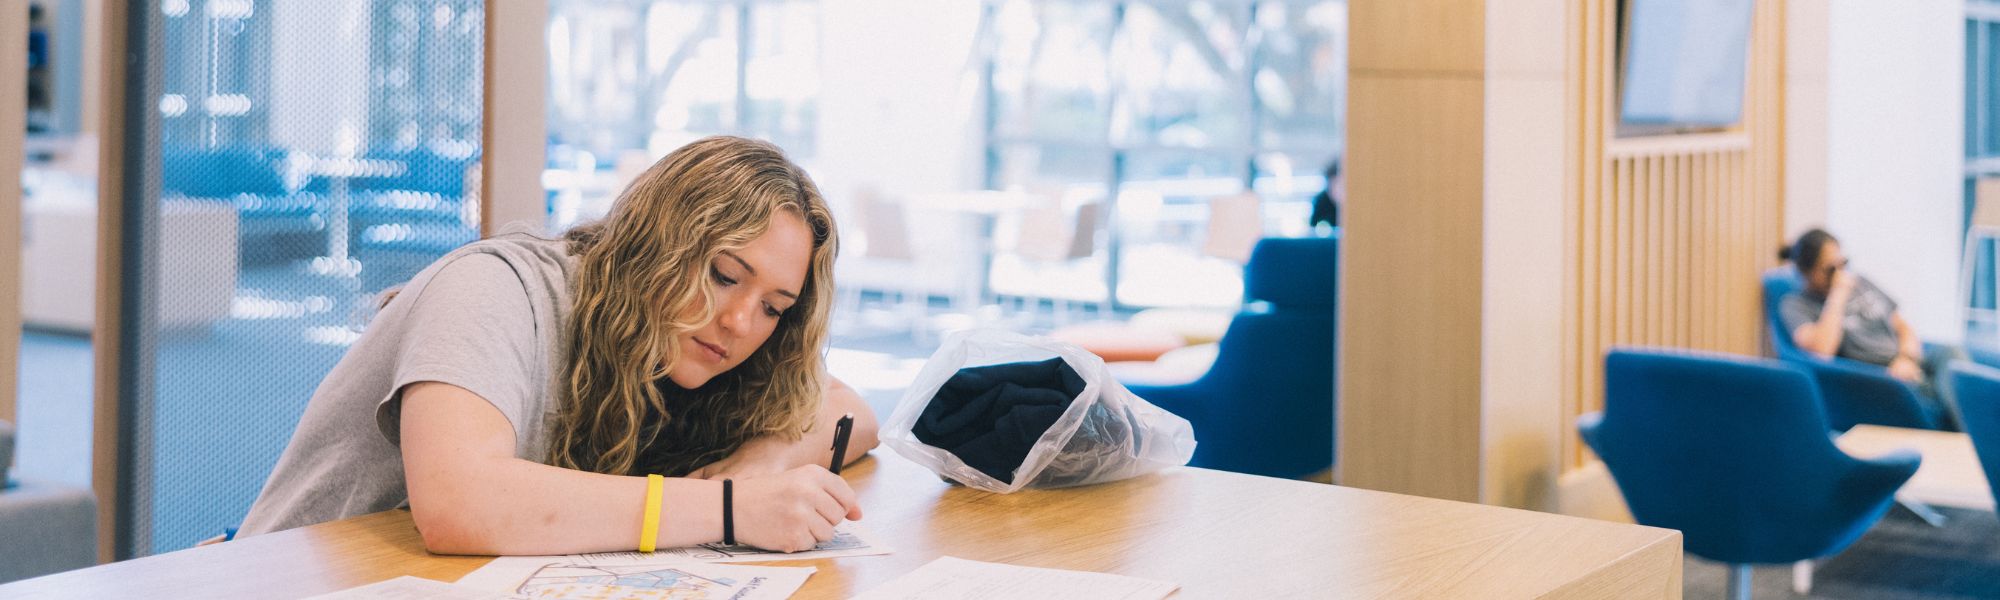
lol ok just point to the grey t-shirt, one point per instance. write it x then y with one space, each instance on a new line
487 317
1867 332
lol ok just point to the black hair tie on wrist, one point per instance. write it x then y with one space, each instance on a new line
728 516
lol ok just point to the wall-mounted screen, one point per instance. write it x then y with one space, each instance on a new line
1683 64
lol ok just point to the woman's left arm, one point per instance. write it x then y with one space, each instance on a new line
774 454
1906 337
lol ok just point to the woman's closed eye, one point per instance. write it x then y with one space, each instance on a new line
720 278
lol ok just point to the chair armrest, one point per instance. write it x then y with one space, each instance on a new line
1854 392
1878 476
1587 425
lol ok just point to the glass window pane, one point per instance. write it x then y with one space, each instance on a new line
294 189
1030 165
1301 79
1049 71
781 80
1974 111
631 81
1990 88
1178 72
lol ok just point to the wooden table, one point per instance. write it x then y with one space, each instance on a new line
1950 474
1216 534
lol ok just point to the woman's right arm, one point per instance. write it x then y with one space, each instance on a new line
469 494
1823 336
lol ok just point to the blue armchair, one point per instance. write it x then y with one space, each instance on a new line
1266 406
1734 452
1854 392
275 224
1978 389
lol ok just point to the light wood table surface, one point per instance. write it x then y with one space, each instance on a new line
1950 474
1218 535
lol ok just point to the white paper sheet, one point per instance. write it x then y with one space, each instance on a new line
950 578
414 588
509 572
849 540
657 581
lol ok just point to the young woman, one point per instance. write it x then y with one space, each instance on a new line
516 394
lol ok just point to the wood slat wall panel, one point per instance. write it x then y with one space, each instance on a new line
1672 232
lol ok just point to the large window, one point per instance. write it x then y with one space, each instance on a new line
1982 136
630 80
309 156
1163 107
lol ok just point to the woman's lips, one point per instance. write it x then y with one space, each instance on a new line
714 351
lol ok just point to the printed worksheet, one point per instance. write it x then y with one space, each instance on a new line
950 578
508 572
414 588
662 581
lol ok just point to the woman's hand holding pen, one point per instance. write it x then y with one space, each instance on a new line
794 510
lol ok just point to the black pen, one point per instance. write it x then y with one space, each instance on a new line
841 429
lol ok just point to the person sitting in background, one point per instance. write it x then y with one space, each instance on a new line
1326 204
1840 313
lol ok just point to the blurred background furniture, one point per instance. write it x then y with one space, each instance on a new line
1853 391
407 208
1949 478
1049 240
1978 390
1266 406
1235 223
1979 288
1734 453
44 528
198 258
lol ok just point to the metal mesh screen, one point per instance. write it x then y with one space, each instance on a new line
310 155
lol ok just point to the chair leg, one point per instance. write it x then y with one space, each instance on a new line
1802 575
1923 511
1739 582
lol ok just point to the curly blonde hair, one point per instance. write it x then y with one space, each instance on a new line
643 267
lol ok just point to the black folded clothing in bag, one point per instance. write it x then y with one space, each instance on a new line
990 417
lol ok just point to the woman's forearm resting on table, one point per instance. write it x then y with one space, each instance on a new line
470 495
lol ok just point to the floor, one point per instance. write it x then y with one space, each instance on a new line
54 410
1902 558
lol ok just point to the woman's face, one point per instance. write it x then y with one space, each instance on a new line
753 286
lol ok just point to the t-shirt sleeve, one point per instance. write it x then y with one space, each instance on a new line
1794 310
471 326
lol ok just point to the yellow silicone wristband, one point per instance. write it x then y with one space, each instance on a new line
649 531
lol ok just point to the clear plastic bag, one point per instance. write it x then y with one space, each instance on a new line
1106 433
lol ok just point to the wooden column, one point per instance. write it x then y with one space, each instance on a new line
111 23
1501 237
13 129
1411 272
514 134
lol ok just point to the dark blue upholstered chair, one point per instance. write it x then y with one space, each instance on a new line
1266 406
1734 453
1854 392
275 223
1978 389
